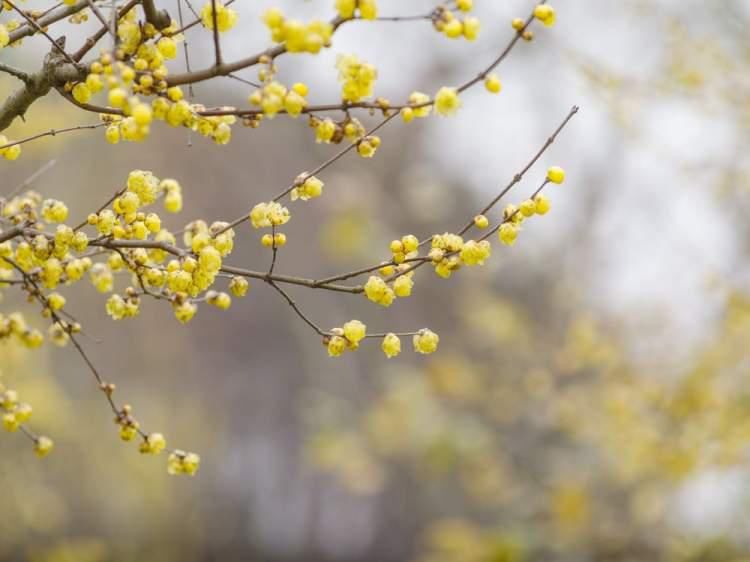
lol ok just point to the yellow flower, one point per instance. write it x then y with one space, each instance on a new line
153 444
546 14
239 286
185 312
43 446
541 204
447 101
81 93
56 301
402 286
129 430
336 346
355 331
493 84
475 253
391 345
556 174
453 29
426 341
481 222
527 208
378 292
268 214
325 130
422 100
345 8
310 189
357 77
10 422
54 211
226 18
117 97
507 233
368 9
180 462
220 300
167 47
367 147
471 28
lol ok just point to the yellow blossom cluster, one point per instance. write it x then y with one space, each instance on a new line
264 215
274 97
310 188
14 324
138 90
357 77
455 26
123 247
345 338
367 9
225 17
138 70
299 37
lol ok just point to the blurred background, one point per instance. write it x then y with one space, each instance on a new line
589 401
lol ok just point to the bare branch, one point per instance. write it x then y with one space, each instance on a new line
20 74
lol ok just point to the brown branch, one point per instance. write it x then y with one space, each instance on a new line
59 45
20 74
54 71
519 176
101 18
290 280
158 18
91 42
52 133
297 310
217 40
46 20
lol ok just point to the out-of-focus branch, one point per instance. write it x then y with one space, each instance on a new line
57 44
20 74
47 20
102 31
158 18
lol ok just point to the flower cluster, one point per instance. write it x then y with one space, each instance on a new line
275 97
310 188
367 9
225 17
139 90
297 36
123 247
264 215
357 78
455 26
345 338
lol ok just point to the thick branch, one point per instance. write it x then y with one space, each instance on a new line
54 72
158 18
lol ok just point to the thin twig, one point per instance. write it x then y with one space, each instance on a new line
20 74
217 40
101 18
31 179
34 24
52 133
